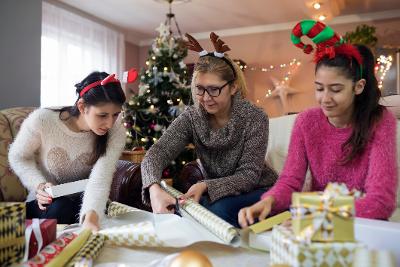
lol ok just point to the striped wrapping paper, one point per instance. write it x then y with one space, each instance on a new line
209 220
89 251
140 234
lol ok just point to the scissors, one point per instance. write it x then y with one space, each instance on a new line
177 208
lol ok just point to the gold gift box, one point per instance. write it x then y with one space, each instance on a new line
325 223
12 232
286 249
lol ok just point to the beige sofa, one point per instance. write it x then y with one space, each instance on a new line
279 138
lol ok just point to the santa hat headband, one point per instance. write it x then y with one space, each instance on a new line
109 79
328 42
219 45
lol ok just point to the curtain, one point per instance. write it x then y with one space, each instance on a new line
72 47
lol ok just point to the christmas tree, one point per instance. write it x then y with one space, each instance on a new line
164 91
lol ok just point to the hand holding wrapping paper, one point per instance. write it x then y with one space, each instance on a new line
142 228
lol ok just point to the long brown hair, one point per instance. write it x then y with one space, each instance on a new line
108 93
367 111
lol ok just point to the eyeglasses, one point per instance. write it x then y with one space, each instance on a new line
211 90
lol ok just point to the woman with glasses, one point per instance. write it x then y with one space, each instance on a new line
230 137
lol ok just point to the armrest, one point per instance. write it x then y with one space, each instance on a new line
190 174
126 187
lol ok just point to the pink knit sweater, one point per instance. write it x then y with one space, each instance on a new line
317 144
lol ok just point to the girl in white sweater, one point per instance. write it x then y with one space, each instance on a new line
56 146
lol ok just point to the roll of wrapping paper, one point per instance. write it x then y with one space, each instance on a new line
140 234
50 251
89 251
69 251
116 208
212 222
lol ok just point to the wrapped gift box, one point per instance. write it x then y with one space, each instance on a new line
260 233
43 230
12 232
323 216
286 249
50 251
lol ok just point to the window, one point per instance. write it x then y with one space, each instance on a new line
72 47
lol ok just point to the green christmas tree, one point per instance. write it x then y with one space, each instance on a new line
164 92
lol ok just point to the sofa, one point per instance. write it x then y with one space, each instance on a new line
126 185
279 137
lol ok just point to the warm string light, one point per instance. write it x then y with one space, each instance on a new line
276 67
382 66
294 64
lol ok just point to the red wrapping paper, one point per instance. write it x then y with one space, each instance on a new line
50 251
48 228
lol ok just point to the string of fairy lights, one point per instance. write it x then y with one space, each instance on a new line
291 66
383 64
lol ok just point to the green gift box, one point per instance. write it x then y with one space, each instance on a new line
286 249
323 216
12 232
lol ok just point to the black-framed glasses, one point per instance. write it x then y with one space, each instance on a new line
211 90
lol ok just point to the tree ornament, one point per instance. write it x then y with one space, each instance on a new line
157 127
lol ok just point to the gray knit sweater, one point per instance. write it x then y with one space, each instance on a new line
233 157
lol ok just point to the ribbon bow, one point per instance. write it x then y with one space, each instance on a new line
322 214
35 229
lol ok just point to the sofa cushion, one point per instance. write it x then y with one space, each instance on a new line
11 188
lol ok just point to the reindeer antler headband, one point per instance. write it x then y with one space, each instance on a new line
219 45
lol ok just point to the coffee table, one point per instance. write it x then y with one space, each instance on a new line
219 255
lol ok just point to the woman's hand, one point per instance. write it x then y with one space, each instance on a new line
42 197
196 191
261 209
161 201
91 221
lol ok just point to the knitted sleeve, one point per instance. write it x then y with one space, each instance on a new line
166 149
381 181
250 166
22 151
294 171
100 179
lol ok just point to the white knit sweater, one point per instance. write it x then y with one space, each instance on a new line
46 150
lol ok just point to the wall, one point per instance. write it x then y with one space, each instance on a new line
131 61
20 31
274 48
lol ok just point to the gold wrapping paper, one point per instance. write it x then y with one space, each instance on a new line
137 234
89 251
212 222
12 232
286 249
70 250
324 217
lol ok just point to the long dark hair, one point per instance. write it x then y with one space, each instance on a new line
108 93
367 110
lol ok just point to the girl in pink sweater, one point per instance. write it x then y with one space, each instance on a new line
349 138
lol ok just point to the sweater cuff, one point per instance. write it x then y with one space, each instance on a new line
279 205
145 189
215 190
35 183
